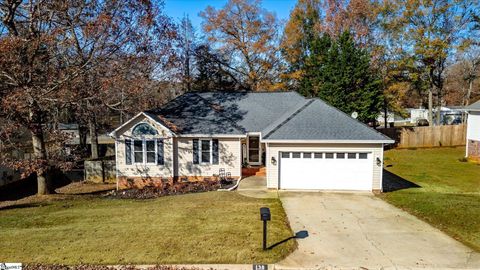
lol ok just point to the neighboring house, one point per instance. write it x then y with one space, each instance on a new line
304 143
473 131
393 119
105 142
450 115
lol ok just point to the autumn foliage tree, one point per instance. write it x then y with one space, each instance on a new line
248 35
430 33
56 54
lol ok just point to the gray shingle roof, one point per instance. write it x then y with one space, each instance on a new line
278 115
227 112
320 121
474 107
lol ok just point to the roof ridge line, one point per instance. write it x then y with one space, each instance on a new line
358 121
290 117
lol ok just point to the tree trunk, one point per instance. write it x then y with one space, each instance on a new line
430 106
39 151
469 93
439 106
385 114
93 138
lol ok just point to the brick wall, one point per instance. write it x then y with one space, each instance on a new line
473 149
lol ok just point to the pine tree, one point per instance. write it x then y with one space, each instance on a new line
341 74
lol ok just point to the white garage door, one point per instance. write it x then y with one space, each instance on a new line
326 170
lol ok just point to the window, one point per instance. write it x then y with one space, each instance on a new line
144 129
138 151
285 154
328 155
307 155
318 155
150 151
340 155
253 149
205 151
363 155
352 155
144 151
295 155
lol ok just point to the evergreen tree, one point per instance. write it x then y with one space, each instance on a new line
314 62
340 73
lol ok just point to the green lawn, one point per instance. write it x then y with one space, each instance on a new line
449 192
212 227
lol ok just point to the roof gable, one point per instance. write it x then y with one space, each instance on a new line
127 127
474 107
319 121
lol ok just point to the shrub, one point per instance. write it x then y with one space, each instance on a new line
167 189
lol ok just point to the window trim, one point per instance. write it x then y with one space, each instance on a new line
144 151
327 154
144 123
363 153
155 151
350 153
200 151
134 152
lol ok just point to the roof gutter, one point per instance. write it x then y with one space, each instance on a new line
212 136
330 141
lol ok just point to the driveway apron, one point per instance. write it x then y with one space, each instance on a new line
360 230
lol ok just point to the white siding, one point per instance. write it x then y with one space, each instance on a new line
229 158
273 150
178 156
473 126
140 170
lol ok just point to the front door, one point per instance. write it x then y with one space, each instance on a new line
254 157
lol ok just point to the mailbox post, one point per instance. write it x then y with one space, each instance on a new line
265 216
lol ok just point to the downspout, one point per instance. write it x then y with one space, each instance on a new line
116 162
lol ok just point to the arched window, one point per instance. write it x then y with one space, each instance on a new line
144 129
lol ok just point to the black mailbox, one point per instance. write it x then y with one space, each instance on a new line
265 214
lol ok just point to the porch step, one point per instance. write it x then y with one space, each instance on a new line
257 171
261 172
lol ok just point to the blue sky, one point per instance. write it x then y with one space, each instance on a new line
177 8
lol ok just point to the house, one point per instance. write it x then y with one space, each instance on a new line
304 143
473 131
393 119
450 115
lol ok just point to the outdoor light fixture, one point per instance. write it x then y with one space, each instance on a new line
273 161
379 162
265 216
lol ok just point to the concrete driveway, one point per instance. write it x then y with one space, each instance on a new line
359 230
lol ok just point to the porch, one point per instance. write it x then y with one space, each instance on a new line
253 156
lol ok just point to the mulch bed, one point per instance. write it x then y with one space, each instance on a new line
166 189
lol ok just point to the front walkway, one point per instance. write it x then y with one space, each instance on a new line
256 187
350 231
